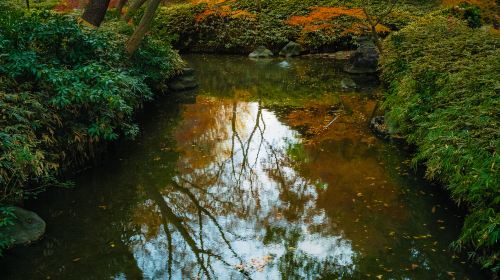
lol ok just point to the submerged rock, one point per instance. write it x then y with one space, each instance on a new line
379 127
382 130
348 84
28 227
261 52
365 59
185 81
291 49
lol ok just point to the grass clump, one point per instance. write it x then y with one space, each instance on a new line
444 97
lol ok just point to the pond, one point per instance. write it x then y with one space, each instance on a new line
267 171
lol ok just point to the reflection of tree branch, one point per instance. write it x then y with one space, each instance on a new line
169 217
170 250
206 212
245 147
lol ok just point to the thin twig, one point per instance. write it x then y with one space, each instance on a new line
326 126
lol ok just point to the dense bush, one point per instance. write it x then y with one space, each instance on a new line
64 91
444 97
240 26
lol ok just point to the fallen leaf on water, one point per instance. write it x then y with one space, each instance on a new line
414 266
77 259
359 194
433 209
379 276
392 233
240 266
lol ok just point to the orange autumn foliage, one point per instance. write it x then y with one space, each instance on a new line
215 7
319 16
322 14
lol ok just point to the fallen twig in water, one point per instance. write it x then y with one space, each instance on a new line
326 126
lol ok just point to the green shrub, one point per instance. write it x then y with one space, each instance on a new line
444 97
64 91
240 26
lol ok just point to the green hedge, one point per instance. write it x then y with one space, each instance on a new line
444 97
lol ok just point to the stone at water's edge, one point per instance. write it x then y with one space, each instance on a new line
28 227
185 81
291 49
261 52
365 59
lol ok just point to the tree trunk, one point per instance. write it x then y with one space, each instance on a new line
120 5
95 12
143 27
132 9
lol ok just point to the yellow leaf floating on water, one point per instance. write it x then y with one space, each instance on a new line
433 209
359 194
379 276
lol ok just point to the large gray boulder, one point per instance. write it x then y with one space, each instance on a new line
185 81
28 227
365 59
261 52
291 49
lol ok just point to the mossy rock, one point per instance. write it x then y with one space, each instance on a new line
291 49
261 52
185 81
28 227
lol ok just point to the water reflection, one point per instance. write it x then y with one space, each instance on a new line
268 173
237 206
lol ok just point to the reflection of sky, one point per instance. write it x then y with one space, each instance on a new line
255 179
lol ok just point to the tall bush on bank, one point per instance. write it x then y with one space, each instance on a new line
65 90
444 85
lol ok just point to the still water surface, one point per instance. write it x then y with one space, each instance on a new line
268 171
